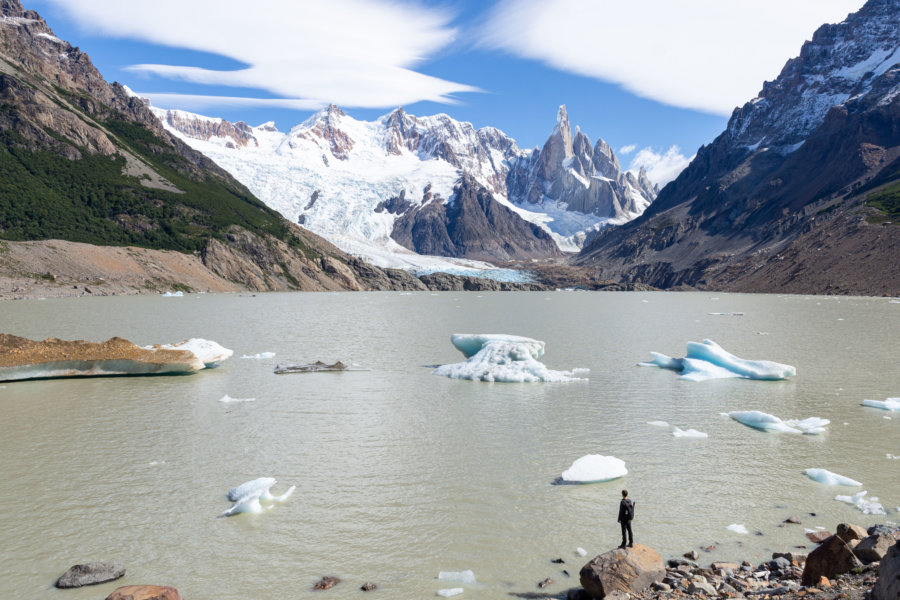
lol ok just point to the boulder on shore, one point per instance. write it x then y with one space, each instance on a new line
91 574
875 547
145 592
834 557
624 570
888 585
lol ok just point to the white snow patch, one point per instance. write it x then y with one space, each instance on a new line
207 351
707 360
828 478
594 468
504 358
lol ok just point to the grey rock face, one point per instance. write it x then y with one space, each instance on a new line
888 585
91 574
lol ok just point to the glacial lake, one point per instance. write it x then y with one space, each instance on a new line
402 474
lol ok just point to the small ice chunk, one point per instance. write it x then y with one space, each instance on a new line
228 399
177 294
707 360
762 421
892 404
737 528
247 496
260 355
691 433
259 486
829 478
446 593
594 468
505 358
658 423
868 507
467 577
810 426
580 551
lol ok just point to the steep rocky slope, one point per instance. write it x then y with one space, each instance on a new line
798 193
84 161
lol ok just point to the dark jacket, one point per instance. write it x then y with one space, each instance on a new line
626 510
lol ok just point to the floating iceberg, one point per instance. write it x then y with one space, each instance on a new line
829 478
737 528
707 360
892 404
177 294
208 351
247 496
658 423
226 399
868 507
260 355
691 433
467 577
766 422
506 358
448 592
595 468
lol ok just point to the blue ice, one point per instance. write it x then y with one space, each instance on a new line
766 422
707 360
828 478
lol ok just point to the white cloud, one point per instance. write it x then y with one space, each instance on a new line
709 55
660 168
355 53
626 150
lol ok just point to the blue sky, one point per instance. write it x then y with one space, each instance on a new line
656 79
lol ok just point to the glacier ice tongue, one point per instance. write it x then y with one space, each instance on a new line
503 358
595 468
707 360
828 478
892 404
868 507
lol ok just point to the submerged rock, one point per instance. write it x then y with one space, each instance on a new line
145 592
91 574
316 367
326 582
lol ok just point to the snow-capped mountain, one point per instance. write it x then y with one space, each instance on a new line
785 198
364 184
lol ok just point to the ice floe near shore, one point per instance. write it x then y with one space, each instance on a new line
247 496
707 360
594 468
891 404
766 422
868 507
828 478
503 358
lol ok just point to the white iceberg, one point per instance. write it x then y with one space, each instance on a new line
226 399
247 496
658 423
207 351
448 592
467 577
504 358
892 404
737 528
580 551
828 478
766 422
177 294
260 355
594 468
868 507
691 433
707 360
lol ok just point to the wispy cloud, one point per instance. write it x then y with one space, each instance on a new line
356 53
708 55
661 167
626 150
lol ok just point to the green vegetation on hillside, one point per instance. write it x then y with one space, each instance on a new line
887 200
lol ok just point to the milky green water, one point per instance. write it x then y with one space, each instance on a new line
401 474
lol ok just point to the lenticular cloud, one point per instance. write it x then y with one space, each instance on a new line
505 358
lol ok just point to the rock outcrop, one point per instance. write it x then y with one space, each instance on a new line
91 574
626 570
145 592
833 557
888 585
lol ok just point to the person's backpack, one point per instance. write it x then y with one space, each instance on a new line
629 509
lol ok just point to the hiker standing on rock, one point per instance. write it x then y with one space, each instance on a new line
626 514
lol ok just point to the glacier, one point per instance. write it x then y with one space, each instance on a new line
766 422
828 478
247 496
502 358
594 468
891 404
707 360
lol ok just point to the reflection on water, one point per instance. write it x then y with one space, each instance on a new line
401 474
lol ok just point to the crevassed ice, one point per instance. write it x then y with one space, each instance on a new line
766 422
868 507
503 358
892 404
594 468
828 478
707 360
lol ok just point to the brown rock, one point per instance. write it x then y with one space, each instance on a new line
818 536
833 557
145 592
623 570
326 583
888 585
847 532
368 586
874 547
